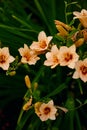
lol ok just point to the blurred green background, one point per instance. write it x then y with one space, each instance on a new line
20 22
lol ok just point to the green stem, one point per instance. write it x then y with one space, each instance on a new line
28 92
80 86
66 12
21 113
78 121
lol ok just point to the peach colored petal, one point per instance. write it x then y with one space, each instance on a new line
52 57
49 38
5 51
83 78
23 60
71 65
81 70
28 55
23 50
33 60
52 117
84 12
77 14
82 16
72 48
42 44
51 102
11 59
42 36
34 46
68 56
47 111
43 118
5 58
4 66
54 49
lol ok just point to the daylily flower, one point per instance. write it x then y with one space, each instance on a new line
82 16
47 111
42 44
81 70
68 56
28 55
5 58
52 57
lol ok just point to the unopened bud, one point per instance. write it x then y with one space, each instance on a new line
35 85
67 27
84 31
63 109
12 73
79 42
61 30
27 105
27 81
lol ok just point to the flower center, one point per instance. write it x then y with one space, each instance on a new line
55 59
27 56
68 57
46 110
2 59
43 44
83 69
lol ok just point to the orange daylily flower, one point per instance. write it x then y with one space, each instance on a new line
28 55
42 43
82 16
5 58
81 70
52 57
68 56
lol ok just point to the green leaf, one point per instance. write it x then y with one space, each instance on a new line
85 102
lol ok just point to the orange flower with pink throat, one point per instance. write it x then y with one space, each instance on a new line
5 58
68 56
42 44
82 16
46 111
52 57
81 70
28 56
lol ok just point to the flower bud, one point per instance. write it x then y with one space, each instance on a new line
27 81
61 30
79 42
12 73
63 109
35 85
28 104
67 27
